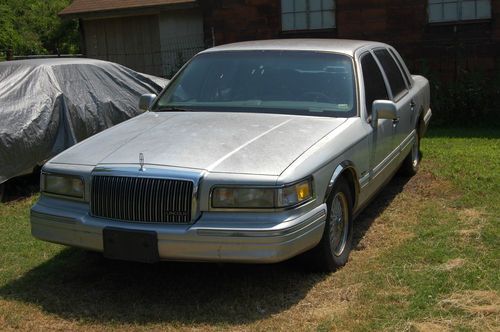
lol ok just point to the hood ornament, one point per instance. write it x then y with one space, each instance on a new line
141 162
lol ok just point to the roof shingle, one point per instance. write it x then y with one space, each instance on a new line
91 6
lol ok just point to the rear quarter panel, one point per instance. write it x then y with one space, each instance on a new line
421 91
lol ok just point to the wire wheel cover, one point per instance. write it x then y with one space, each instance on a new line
339 223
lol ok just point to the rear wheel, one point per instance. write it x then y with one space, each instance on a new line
412 161
2 191
333 250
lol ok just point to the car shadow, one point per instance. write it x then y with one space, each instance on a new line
21 187
376 207
83 286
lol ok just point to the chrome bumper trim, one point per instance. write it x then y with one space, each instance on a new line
246 242
317 218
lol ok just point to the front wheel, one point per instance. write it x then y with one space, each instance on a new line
333 250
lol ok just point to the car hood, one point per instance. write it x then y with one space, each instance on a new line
248 143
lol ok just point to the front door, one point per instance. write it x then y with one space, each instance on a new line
383 141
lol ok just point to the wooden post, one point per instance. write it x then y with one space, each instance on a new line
10 55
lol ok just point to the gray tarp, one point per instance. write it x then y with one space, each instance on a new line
48 105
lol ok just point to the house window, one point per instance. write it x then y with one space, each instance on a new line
307 14
458 10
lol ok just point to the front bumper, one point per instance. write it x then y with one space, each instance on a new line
214 237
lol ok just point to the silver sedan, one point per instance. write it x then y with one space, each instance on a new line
254 152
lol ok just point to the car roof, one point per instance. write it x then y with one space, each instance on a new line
342 46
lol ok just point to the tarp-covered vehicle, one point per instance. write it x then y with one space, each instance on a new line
48 105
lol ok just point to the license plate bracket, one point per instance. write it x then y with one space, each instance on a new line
130 245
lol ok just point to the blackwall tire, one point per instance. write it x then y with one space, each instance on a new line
411 163
335 246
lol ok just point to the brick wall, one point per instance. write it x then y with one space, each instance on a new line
239 20
446 48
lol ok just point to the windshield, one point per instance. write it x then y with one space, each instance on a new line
290 82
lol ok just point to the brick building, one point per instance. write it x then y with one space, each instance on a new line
446 35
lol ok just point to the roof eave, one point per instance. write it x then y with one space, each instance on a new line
124 12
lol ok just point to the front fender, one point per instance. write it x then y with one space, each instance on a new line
345 168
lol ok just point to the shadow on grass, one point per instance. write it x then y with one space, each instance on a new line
21 187
381 201
84 286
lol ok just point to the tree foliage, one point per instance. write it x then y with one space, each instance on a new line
33 27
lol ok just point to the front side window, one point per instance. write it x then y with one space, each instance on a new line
307 14
458 10
286 82
391 69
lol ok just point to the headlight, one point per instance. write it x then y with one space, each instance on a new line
65 185
243 198
262 198
295 194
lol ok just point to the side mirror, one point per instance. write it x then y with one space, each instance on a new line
384 109
146 101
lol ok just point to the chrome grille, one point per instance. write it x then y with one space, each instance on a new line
141 199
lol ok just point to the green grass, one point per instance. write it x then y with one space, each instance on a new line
471 160
459 223
427 258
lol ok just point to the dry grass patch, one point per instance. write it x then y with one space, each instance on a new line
471 215
452 264
482 308
384 222
16 316
329 299
474 301
401 291
427 186
472 219
469 235
431 326
472 222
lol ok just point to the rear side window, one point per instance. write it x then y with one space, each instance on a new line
401 66
374 82
392 72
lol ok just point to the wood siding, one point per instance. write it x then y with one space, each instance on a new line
181 37
131 41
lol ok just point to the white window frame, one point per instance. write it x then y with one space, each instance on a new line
459 14
308 13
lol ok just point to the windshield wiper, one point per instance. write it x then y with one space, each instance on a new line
173 109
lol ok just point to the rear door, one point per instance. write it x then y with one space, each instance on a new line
399 93
407 118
